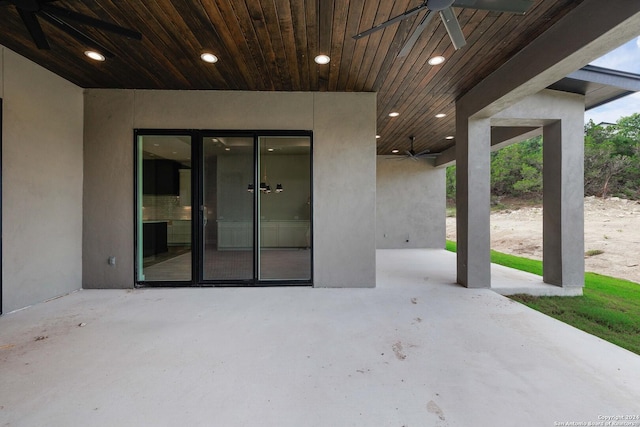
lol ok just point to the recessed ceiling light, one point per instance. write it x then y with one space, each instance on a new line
441 115
394 114
156 145
436 60
269 149
94 55
395 151
377 136
449 137
227 149
322 59
209 57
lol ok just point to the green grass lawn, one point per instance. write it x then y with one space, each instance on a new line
609 307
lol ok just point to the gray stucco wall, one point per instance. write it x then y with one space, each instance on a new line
562 117
344 163
410 204
41 183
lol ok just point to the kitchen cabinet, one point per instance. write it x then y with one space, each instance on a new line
235 235
293 234
154 238
273 234
179 232
269 234
160 177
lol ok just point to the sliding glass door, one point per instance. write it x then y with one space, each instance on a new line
285 208
223 208
164 212
228 208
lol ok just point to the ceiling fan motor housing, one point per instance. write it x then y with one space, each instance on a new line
437 5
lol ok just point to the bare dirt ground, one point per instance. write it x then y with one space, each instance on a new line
611 225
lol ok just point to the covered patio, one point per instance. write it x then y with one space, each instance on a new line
416 350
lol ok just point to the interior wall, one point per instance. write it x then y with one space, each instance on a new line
211 198
233 202
41 183
410 205
292 171
343 170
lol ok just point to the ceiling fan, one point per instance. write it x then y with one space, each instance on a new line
31 10
444 7
411 153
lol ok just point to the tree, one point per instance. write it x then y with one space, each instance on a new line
629 127
611 163
611 158
516 170
451 182
601 164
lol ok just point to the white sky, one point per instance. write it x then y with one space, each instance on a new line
624 58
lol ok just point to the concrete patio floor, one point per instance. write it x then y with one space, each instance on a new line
417 350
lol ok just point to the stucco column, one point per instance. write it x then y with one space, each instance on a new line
563 201
473 173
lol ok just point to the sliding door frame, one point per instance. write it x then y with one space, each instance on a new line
199 236
136 203
1 256
197 207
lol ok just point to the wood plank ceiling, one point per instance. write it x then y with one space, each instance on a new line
267 45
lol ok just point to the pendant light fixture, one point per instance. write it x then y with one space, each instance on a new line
265 188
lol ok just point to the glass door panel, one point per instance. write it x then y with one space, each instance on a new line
227 211
164 208
284 205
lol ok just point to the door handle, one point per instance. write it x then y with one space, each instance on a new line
203 209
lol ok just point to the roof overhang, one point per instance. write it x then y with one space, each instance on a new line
598 85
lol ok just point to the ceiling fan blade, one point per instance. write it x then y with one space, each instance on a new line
453 27
87 20
398 18
423 153
414 37
513 6
31 22
76 33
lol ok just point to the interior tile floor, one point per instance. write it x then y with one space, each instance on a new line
275 264
417 350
